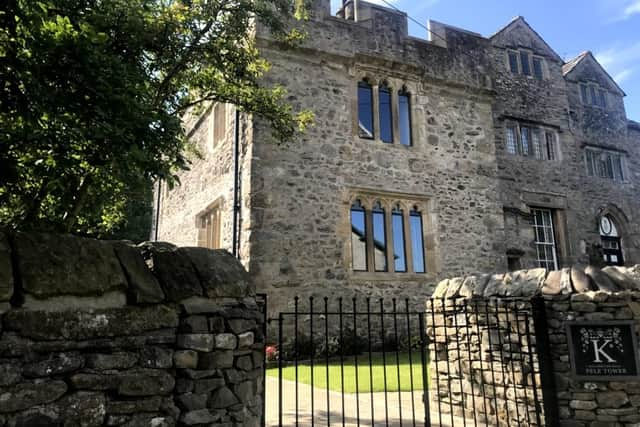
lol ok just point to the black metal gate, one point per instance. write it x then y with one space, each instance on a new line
387 363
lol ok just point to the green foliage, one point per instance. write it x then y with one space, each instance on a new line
93 93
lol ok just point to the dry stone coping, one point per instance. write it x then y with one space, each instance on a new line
539 281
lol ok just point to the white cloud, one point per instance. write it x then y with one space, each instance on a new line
632 9
623 75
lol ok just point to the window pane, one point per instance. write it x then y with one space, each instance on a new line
365 110
524 62
551 149
379 239
592 91
404 103
525 136
417 244
513 62
537 149
537 68
617 167
399 253
591 168
511 141
544 238
386 127
609 166
358 237
602 98
583 94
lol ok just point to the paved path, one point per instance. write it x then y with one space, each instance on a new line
398 405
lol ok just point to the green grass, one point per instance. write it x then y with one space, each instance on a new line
364 376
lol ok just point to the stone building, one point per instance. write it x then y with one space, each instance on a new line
430 157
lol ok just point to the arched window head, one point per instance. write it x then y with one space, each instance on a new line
404 117
608 227
365 109
385 116
379 237
610 241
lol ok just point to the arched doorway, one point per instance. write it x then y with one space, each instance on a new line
610 240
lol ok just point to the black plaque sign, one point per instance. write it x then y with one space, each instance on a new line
603 351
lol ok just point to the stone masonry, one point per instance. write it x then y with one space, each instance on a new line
294 199
96 333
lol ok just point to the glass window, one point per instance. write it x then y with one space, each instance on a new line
525 138
511 141
399 250
537 147
209 230
524 62
417 243
583 94
404 104
591 163
386 123
537 68
551 149
379 238
544 239
592 91
513 62
365 110
358 237
617 168
602 98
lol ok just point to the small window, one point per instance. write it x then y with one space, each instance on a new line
511 141
219 123
404 104
617 168
399 250
379 238
543 228
358 237
592 91
386 122
583 94
513 62
365 110
524 62
551 146
591 162
537 68
602 100
537 147
525 139
209 229
604 164
417 244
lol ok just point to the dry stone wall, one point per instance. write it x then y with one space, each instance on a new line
97 333
500 359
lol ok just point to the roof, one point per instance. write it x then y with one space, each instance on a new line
571 65
633 124
520 19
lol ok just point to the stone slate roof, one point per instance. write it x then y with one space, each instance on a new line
528 283
521 19
571 65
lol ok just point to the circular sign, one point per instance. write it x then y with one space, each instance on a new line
605 226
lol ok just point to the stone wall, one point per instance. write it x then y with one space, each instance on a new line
105 333
497 358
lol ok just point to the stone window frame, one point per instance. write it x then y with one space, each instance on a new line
388 200
551 243
396 86
601 151
542 135
218 120
217 207
592 88
530 59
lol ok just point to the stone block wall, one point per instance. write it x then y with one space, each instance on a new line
97 333
488 357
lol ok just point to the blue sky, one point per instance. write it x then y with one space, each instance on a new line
608 28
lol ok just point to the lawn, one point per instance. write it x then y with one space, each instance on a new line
364 374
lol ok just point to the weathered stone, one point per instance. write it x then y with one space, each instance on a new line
238 326
453 291
612 399
221 275
552 283
201 416
197 374
156 357
53 265
600 279
144 288
199 342
26 395
245 340
565 281
6 269
207 385
80 325
581 282
226 341
194 324
494 285
94 381
216 360
216 324
54 365
222 398
121 407
82 409
10 373
192 401
244 362
185 359
176 274
245 391
441 289
145 382
119 360
37 420
200 305
618 276
585 307
586 405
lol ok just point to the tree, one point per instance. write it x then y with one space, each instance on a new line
93 92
